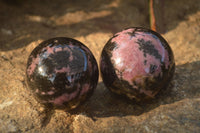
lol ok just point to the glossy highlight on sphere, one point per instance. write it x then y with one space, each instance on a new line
62 72
137 63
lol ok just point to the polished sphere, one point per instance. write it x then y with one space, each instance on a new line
137 63
61 73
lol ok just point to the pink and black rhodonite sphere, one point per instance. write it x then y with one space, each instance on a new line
137 63
62 73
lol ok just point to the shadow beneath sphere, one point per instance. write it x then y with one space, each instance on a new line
103 103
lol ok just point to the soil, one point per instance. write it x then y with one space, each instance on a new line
25 23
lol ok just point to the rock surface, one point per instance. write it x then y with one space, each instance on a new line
24 24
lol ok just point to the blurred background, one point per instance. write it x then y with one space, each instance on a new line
24 21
